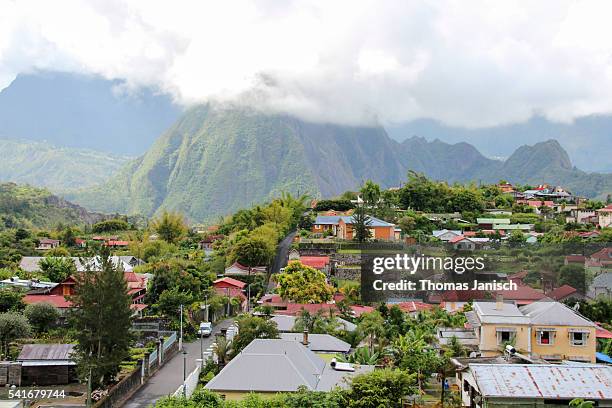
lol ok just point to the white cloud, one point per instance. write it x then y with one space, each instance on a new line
471 63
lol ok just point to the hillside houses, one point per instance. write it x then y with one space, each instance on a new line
58 295
341 227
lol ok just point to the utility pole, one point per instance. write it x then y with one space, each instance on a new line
181 334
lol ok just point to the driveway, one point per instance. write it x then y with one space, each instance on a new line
166 380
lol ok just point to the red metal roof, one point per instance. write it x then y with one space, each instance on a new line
412 306
523 295
138 306
561 292
317 262
575 258
58 301
117 243
230 281
602 333
457 239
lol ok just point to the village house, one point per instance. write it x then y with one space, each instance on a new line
446 235
581 216
114 243
599 262
237 269
506 187
318 262
490 223
58 295
341 227
545 329
232 288
537 205
289 366
534 385
604 216
462 243
47 364
565 292
45 244
207 242
601 286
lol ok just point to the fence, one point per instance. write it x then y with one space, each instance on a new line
125 388
169 341
190 384
153 359
122 389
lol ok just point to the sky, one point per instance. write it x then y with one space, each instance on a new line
466 63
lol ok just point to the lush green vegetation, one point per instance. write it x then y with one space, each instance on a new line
22 206
57 168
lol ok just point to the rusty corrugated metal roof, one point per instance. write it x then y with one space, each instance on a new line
590 381
31 352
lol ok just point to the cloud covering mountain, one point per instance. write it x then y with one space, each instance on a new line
471 64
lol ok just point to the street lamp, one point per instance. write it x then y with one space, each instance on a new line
184 374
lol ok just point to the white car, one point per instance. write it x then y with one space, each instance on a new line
205 329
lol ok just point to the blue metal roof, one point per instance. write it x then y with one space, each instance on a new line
603 357
334 219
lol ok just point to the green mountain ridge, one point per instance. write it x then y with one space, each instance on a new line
213 161
56 168
23 206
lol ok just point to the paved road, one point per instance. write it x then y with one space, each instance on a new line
166 380
282 255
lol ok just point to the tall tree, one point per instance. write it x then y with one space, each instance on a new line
361 224
370 193
170 226
13 326
102 319
372 326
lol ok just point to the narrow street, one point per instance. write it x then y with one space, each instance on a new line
170 376
282 254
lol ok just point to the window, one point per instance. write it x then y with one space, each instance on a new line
505 336
466 386
545 337
578 338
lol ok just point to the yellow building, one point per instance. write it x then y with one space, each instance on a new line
544 329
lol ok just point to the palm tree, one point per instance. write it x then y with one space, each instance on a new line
372 325
222 349
361 355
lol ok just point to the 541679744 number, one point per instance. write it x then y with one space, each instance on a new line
35 394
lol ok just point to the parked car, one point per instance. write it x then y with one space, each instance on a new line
205 329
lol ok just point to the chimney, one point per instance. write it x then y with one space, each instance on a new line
499 302
305 338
